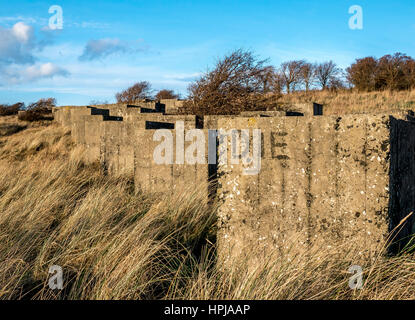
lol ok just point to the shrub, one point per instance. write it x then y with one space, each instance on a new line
166 94
37 111
362 74
235 84
31 115
139 91
43 105
7 110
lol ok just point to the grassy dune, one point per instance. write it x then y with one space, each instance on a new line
343 102
115 243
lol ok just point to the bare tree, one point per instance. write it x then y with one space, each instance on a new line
291 73
278 82
140 90
273 81
166 94
307 75
234 85
326 72
337 83
268 76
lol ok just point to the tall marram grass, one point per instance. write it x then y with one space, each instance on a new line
111 242
115 243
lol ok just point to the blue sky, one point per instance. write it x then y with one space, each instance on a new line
109 45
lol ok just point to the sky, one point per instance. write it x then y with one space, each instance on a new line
99 48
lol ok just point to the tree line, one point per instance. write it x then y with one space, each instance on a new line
240 81
390 72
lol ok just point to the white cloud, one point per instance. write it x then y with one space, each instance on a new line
101 78
22 32
17 44
99 83
97 49
45 70
17 74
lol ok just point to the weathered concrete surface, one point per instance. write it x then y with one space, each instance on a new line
322 179
171 105
124 109
92 137
154 177
62 115
263 114
141 119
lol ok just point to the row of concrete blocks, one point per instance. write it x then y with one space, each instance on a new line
322 179
64 115
165 111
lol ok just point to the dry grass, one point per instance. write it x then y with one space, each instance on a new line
115 243
343 102
111 242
